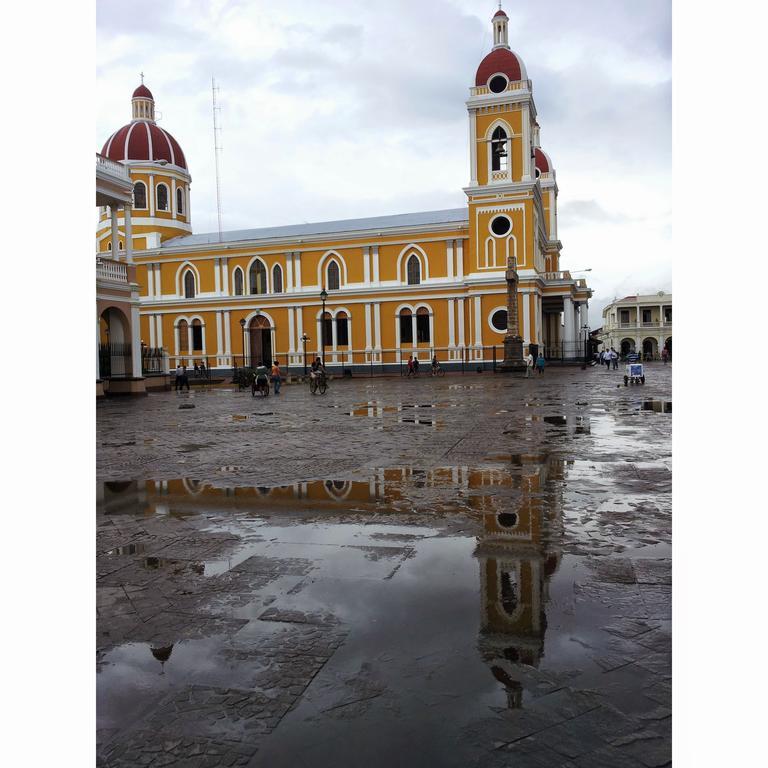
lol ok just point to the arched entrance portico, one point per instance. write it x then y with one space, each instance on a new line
114 344
627 346
260 338
650 348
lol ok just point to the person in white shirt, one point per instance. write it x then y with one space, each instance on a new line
528 365
179 374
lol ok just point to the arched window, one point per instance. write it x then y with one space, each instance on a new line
414 270
189 284
238 282
499 150
197 335
109 245
183 340
342 329
327 330
139 195
257 277
333 276
179 200
162 197
422 325
406 326
277 279
120 245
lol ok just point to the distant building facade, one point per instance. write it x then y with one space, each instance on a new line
421 284
640 324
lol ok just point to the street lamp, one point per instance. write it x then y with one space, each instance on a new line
242 328
323 298
585 328
304 339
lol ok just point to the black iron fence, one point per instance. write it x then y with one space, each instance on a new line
114 360
153 361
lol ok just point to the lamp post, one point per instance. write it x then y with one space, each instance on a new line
323 298
242 328
304 339
585 328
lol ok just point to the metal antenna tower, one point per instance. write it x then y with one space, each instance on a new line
216 150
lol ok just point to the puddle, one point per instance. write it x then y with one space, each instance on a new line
657 406
128 549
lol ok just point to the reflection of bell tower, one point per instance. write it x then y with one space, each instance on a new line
517 557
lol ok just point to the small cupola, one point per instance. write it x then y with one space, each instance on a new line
143 104
500 35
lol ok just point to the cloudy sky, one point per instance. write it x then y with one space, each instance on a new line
334 109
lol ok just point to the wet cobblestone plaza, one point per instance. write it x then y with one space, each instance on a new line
466 571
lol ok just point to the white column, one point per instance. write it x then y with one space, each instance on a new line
291 338
159 334
460 259
217 276
128 233
225 275
150 280
537 336
478 323
366 264
526 318
460 304
319 335
451 323
368 339
568 318
299 323
151 319
413 329
449 258
135 342
219 345
473 147
158 282
376 278
431 329
297 269
377 325
227 338
115 235
638 310
526 143
151 193
289 272
98 345
173 198
189 339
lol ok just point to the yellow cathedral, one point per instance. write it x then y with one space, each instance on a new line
425 284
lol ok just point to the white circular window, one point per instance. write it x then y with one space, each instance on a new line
498 320
538 173
500 225
498 84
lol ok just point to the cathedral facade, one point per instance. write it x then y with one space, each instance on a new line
359 292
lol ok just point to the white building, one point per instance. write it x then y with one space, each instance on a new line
639 324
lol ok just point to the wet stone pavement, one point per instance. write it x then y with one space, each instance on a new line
470 571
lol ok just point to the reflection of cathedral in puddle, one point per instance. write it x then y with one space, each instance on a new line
518 553
387 486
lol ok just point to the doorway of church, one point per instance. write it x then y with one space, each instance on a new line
260 335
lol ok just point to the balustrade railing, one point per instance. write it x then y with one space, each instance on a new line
111 167
114 271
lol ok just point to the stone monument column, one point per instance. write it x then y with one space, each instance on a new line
513 342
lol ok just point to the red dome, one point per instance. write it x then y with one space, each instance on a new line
143 140
542 161
500 60
142 92
500 13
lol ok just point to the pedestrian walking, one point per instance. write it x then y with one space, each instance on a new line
528 365
203 370
415 366
276 376
197 369
184 378
664 355
409 371
540 363
177 380
615 359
